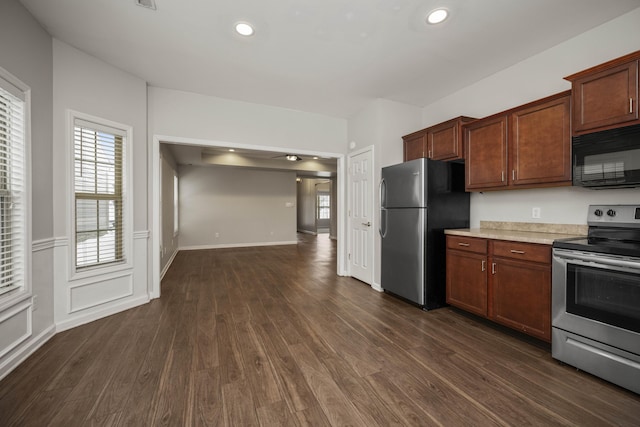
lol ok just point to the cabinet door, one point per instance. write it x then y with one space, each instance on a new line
445 141
606 98
521 296
415 146
467 281
540 143
485 143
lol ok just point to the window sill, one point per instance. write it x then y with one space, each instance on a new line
13 298
100 270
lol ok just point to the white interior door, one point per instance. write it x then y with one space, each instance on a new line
361 216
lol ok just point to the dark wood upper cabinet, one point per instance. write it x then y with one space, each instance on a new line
438 142
486 153
606 96
525 147
540 142
445 139
415 145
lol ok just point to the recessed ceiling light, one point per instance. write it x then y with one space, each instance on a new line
292 157
244 29
232 150
149 4
436 16
315 157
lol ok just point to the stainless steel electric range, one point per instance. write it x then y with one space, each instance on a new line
596 297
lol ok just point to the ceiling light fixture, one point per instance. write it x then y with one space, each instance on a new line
149 4
292 157
437 16
244 29
232 150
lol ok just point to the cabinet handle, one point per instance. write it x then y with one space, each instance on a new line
513 174
630 105
429 153
502 176
484 265
493 268
513 251
463 244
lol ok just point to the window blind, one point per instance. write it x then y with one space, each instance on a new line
324 206
12 188
98 187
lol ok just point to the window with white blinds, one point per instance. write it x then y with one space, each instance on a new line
99 201
324 206
12 188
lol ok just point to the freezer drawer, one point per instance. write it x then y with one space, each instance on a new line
403 252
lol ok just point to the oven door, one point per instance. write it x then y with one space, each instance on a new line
597 296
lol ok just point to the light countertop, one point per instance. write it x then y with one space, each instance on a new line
522 232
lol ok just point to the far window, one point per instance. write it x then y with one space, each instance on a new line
324 206
99 201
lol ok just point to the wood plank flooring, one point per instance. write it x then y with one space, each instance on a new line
271 336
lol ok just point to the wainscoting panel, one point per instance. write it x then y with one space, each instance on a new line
15 327
82 299
86 295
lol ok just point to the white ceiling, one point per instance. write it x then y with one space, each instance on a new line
308 165
325 56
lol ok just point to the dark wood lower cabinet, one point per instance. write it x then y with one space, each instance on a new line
507 282
467 281
521 297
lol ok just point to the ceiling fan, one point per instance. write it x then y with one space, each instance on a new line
290 157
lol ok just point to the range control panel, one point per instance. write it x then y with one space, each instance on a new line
614 215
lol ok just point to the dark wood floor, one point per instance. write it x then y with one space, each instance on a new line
271 336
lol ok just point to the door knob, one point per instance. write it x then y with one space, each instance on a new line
368 223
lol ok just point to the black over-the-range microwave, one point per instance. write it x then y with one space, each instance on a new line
607 159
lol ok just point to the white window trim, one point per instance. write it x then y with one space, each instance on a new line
127 215
15 297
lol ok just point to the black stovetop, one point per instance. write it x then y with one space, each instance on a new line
600 245
613 230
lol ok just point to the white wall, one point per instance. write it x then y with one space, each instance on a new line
168 170
534 78
26 53
381 125
207 118
225 207
87 85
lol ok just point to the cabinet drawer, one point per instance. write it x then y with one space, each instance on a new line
524 251
469 244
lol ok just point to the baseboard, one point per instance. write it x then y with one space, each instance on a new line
313 233
332 237
376 287
99 314
235 245
27 350
166 267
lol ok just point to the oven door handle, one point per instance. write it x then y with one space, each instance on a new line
599 259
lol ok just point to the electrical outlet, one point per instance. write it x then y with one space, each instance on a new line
217 235
34 303
535 212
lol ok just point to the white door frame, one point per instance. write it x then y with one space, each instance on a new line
374 226
153 189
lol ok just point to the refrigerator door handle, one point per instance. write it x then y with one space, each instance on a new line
383 198
383 223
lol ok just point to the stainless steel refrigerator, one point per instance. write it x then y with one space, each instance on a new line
419 199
